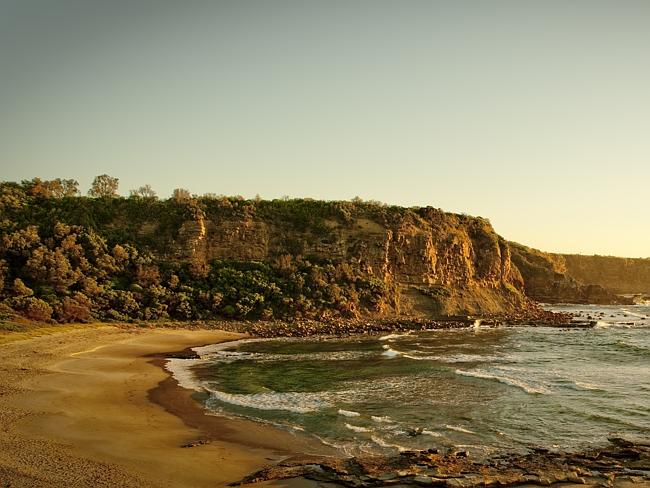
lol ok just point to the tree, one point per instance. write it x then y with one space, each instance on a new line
56 188
20 289
143 192
104 186
35 309
181 195
69 188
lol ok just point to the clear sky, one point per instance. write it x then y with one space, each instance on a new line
535 114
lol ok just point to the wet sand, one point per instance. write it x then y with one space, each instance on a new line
93 407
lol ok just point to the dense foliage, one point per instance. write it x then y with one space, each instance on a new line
69 258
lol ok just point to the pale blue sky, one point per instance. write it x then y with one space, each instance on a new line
535 114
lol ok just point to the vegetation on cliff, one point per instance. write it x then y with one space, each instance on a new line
68 258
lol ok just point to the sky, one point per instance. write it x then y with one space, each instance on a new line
534 114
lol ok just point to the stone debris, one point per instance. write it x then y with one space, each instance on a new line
200 442
348 327
624 463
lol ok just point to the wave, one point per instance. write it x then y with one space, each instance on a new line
358 428
226 352
348 413
390 353
385 420
504 379
230 356
290 402
382 443
456 358
458 428
602 324
211 349
634 314
181 371
634 348
587 386
431 433
393 336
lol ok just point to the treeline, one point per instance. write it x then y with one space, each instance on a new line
67 258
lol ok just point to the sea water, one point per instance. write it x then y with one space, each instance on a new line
482 389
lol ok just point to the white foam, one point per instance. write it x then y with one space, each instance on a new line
181 371
390 353
431 433
210 349
504 379
358 428
348 413
586 386
458 428
456 358
384 420
393 336
381 442
634 314
290 402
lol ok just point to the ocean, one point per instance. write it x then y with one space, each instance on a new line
484 389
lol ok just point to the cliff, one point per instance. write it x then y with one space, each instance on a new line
434 263
139 258
621 275
570 278
143 258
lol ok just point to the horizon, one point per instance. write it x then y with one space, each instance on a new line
531 115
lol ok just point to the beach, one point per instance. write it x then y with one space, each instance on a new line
93 407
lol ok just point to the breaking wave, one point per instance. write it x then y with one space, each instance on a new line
390 352
348 413
289 402
539 390
357 428
393 336
458 428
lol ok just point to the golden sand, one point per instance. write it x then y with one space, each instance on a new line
92 407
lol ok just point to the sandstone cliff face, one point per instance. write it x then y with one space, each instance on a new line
621 275
436 263
552 278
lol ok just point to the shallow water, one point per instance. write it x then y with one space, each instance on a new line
484 389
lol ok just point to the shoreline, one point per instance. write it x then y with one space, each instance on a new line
91 407
182 403
96 406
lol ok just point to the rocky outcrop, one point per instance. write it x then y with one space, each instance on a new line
624 463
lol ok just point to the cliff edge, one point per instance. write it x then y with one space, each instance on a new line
79 258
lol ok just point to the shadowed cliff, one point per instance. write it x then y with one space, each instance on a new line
572 278
621 275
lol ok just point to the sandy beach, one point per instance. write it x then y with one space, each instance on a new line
93 407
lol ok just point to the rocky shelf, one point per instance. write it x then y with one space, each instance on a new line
622 463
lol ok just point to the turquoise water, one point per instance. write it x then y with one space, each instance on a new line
483 389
